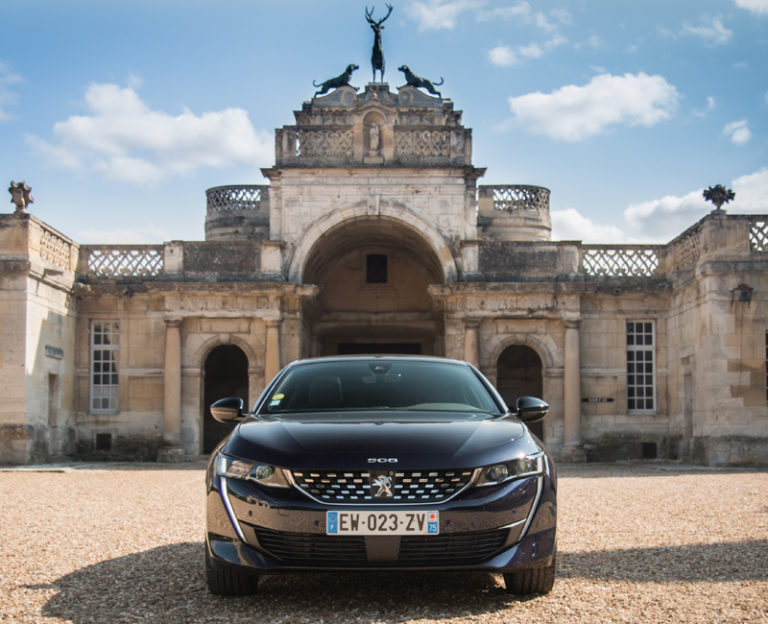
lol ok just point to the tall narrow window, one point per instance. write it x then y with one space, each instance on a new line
766 366
105 351
376 269
641 367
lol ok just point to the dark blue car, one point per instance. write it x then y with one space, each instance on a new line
380 463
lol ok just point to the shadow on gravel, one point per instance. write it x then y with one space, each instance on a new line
167 584
719 562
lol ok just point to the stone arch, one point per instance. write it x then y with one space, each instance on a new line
520 372
198 359
544 346
409 221
203 350
225 373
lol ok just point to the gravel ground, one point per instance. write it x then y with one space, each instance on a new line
637 543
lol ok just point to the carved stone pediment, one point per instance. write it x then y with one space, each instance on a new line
375 127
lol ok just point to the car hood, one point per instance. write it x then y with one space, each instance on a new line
414 443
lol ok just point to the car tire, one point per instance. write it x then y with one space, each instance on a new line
226 581
532 580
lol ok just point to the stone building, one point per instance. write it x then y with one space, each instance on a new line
373 235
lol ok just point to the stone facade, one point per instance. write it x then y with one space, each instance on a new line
373 235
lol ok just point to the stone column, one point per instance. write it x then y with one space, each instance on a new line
272 355
572 448
172 411
471 352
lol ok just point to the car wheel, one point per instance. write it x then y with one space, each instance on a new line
531 580
226 581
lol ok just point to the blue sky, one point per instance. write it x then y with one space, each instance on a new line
120 114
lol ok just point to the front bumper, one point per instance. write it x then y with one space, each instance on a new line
497 528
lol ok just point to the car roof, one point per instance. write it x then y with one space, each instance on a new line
373 357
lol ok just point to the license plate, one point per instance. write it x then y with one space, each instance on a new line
382 523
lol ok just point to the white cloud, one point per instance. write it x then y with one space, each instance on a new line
574 113
440 14
7 96
738 132
521 10
570 224
443 14
503 56
702 112
751 192
531 51
660 220
760 7
593 41
713 32
125 140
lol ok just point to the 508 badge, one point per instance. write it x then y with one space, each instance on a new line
382 460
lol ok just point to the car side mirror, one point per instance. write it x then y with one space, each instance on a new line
229 409
530 409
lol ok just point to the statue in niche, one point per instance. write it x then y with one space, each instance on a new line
342 80
377 55
374 138
412 80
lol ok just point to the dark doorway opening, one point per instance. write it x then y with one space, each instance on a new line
393 348
519 373
226 375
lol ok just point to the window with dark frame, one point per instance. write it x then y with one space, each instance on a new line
641 366
376 269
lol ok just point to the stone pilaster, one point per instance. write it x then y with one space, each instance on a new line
272 356
471 350
572 448
172 399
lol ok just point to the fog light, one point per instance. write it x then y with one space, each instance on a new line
499 472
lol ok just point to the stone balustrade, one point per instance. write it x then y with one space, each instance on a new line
121 261
513 197
236 198
237 212
758 233
620 260
737 234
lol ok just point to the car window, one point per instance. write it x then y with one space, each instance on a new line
380 385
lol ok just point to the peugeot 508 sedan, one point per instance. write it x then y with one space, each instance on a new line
380 463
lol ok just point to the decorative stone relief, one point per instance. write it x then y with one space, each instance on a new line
330 144
417 144
55 249
758 235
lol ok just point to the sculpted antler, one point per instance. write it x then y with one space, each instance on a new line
373 22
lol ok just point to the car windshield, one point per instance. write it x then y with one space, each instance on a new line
381 384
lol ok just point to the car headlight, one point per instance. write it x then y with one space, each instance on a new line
526 466
251 471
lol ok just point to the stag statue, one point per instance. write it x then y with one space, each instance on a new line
377 55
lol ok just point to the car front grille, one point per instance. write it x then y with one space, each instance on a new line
308 548
317 550
365 487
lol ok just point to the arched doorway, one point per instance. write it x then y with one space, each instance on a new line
225 374
520 373
373 276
